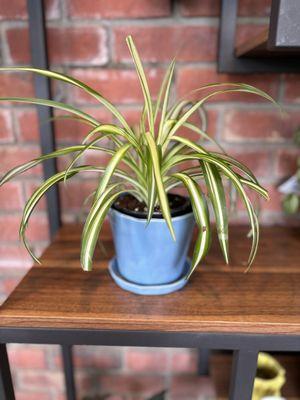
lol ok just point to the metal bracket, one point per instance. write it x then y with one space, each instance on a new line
42 90
230 63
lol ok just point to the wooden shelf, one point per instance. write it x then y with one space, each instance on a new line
57 295
257 46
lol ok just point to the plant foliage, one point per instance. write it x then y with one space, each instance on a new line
150 161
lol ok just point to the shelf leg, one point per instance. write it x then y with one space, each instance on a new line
67 357
6 384
243 374
203 362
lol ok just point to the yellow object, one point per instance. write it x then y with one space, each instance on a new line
270 377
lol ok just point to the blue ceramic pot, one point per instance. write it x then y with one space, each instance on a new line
147 254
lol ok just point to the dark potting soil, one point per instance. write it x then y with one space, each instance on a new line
129 204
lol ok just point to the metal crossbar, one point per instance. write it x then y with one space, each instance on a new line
244 346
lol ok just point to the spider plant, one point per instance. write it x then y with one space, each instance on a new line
149 162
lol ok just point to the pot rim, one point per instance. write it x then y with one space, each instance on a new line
179 211
153 220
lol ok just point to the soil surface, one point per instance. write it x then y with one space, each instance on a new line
129 204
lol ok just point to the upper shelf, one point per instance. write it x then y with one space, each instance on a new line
257 46
276 49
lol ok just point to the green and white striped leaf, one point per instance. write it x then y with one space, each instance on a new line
143 81
218 200
162 196
237 88
111 166
93 226
35 198
26 166
53 104
169 77
163 87
201 214
79 84
235 180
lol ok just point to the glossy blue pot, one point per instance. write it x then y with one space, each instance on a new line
147 254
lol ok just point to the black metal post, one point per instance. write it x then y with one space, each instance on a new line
68 371
39 58
203 361
6 384
243 374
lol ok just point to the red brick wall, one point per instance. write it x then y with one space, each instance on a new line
86 39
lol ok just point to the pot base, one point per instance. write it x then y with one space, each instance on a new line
148 290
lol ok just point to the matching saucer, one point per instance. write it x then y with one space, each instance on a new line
147 289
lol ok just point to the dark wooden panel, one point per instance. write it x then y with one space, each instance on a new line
212 301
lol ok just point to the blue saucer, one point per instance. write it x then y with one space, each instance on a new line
147 290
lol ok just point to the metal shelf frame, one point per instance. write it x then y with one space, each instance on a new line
284 35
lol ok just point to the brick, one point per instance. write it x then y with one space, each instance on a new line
144 385
190 78
13 9
195 8
95 158
184 361
75 45
14 255
103 358
114 84
66 130
12 156
259 125
259 161
10 284
211 130
254 8
275 202
32 357
17 9
30 187
16 85
119 9
27 121
32 395
38 228
286 161
150 360
75 192
72 131
292 88
191 387
9 227
11 197
6 131
156 43
132 115
41 381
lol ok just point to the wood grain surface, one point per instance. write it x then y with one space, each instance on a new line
266 300
279 250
